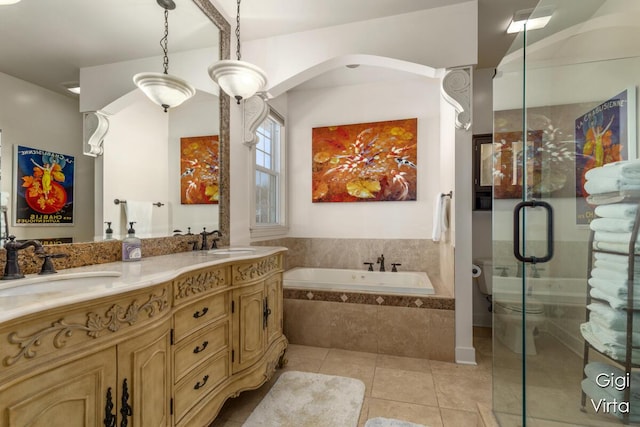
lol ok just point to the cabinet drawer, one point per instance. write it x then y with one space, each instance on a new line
199 314
195 386
203 345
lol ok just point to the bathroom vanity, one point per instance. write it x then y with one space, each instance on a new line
160 342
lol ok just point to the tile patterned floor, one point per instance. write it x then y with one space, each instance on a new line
433 393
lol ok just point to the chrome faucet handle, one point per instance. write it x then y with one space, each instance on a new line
370 264
394 266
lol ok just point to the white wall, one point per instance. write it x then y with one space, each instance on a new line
419 97
36 117
135 151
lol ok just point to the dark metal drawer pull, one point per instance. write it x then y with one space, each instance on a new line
200 385
198 314
198 349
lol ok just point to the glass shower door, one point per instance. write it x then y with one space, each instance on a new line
564 104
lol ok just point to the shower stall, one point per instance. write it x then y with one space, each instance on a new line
565 113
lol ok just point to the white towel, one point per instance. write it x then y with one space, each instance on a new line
603 344
615 288
612 318
617 266
616 225
612 237
609 185
613 258
628 169
617 210
440 223
140 212
616 303
615 247
611 336
594 369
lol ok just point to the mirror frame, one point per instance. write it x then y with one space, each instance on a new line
225 106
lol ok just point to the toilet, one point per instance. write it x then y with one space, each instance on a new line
507 310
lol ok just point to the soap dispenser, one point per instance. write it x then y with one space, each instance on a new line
108 233
131 247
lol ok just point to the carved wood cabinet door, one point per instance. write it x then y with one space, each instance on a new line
144 378
273 287
76 394
249 335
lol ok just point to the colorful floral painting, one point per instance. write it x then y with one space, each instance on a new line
44 187
199 170
365 162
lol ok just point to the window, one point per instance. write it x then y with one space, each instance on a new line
269 197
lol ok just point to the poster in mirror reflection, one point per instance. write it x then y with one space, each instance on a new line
44 187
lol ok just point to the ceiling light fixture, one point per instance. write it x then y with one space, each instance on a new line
162 88
73 87
237 78
8 2
523 19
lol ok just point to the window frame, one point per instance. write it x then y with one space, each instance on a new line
280 227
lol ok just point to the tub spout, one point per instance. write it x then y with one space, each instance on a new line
381 262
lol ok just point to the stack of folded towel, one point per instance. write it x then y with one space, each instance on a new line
598 385
613 177
613 227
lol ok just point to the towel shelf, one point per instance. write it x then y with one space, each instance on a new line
626 362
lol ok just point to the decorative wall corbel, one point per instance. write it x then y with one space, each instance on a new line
456 89
256 110
95 126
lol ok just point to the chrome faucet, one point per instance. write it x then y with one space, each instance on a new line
381 262
11 267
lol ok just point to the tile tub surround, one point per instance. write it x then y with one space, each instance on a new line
374 328
413 254
81 254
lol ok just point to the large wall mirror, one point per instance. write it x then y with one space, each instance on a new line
141 160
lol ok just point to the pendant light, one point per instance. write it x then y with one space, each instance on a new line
237 78
162 88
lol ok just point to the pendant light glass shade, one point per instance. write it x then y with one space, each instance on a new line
238 79
164 89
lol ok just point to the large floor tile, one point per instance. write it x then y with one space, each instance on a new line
351 370
462 391
404 386
405 363
455 418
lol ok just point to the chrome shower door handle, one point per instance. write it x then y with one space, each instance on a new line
516 231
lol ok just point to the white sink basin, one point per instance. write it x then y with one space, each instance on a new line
232 251
54 283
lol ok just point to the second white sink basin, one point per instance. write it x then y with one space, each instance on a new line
232 251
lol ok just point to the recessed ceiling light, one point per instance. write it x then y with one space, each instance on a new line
73 87
540 19
352 65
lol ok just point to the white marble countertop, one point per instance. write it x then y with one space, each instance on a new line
35 293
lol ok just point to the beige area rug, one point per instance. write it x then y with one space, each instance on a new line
388 422
304 399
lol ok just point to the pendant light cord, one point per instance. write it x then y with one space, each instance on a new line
238 32
164 42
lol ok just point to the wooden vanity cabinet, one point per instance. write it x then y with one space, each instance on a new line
99 362
167 355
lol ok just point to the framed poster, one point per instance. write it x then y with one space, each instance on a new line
44 183
604 134
365 162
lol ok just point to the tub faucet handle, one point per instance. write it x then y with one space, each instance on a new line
394 266
370 264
